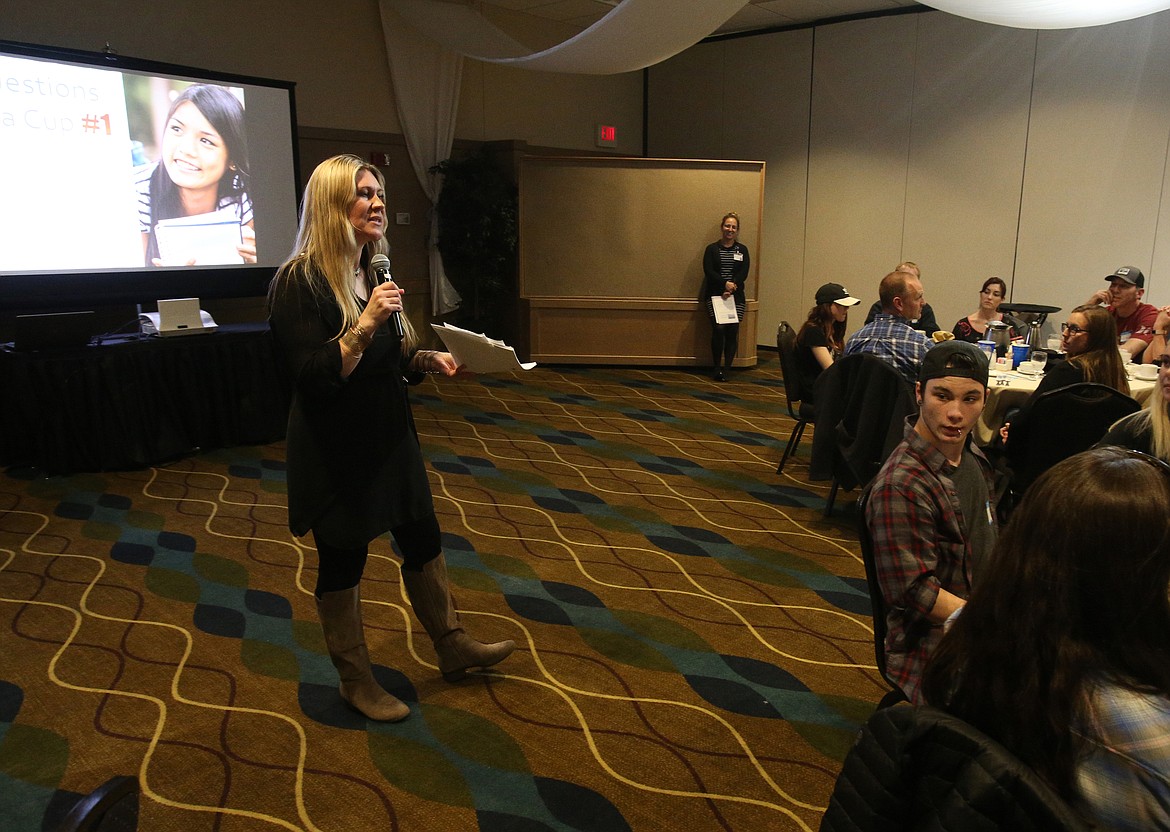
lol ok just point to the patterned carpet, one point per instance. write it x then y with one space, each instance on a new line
695 650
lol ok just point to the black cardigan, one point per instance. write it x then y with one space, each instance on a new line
354 466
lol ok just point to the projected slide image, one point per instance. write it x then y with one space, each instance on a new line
110 169
189 147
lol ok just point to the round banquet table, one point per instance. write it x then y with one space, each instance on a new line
1012 389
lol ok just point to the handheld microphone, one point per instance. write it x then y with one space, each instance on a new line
380 263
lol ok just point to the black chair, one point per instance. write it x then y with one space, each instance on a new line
877 603
111 807
1057 425
862 405
805 412
918 769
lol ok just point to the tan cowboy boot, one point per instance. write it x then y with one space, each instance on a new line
431 599
341 619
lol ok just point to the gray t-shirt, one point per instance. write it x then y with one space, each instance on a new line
978 513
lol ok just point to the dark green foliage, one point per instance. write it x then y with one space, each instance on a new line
477 211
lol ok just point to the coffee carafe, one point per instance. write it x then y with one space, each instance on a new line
1001 334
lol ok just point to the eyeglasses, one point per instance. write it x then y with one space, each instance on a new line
1071 329
1164 361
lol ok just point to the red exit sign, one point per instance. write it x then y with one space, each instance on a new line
606 135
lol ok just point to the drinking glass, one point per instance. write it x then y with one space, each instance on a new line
1039 360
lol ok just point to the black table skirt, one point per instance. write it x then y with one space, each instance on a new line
139 401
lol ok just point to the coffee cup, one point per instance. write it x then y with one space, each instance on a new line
1020 353
1146 372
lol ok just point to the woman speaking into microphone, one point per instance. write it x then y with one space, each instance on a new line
355 468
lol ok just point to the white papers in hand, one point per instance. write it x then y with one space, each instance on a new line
207 239
724 307
478 353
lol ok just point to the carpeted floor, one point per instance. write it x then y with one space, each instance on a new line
695 644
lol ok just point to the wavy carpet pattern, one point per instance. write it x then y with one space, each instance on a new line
695 649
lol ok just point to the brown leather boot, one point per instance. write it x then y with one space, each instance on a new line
341 619
431 599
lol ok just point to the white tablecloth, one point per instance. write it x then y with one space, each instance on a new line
1012 389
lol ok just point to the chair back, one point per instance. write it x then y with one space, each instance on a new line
786 347
923 769
862 405
1061 423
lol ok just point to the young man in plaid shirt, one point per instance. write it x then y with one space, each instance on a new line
931 511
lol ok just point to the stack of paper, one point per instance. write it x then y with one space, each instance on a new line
204 239
478 353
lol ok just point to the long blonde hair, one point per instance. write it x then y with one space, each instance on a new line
1157 416
325 247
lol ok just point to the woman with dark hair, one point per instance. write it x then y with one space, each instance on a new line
203 169
973 328
1062 652
821 339
1089 342
355 468
726 264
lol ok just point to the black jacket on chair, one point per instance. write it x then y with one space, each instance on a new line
862 405
923 769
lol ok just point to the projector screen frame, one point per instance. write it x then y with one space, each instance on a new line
34 292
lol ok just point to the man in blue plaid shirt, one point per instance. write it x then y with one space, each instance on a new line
889 335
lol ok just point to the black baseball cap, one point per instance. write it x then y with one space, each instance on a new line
956 358
1130 274
835 293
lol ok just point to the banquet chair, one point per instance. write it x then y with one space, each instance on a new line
915 769
877 603
1059 424
111 807
804 413
862 405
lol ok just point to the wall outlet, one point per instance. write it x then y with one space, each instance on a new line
402 219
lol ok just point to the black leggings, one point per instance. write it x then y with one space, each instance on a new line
341 567
724 341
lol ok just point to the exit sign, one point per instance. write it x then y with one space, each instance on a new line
606 135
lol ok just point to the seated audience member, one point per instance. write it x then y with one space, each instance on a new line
821 340
931 511
1148 430
973 328
924 322
1160 340
1089 341
889 335
1123 299
1062 653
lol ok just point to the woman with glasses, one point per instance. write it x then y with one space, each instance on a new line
1089 342
1148 430
1062 654
973 328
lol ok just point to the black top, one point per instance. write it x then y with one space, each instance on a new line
355 469
807 366
714 279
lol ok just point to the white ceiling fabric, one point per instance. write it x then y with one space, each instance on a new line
1049 14
635 35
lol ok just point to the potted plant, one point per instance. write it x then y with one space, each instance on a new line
478 230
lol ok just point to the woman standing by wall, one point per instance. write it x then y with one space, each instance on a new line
725 268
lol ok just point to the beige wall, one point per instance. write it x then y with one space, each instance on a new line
973 149
335 53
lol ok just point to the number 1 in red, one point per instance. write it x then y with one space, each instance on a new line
106 119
